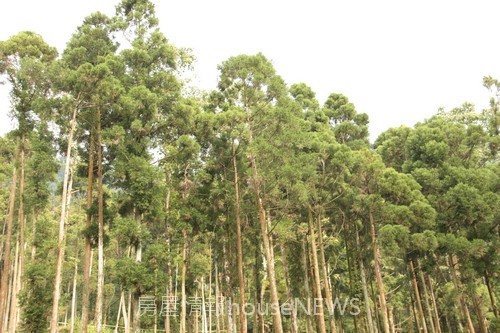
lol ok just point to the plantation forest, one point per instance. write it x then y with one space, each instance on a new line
131 203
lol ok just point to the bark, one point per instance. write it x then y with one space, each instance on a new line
455 273
378 275
73 297
317 279
293 317
257 291
14 291
204 325
427 303
277 324
434 305
33 235
120 305
328 292
417 295
241 276
5 323
349 267
410 321
18 277
371 327
7 249
100 236
491 294
62 223
391 319
88 255
218 299
167 239
479 314
183 282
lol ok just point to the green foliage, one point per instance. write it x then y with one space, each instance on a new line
170 163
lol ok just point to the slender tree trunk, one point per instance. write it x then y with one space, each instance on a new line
241 276
434 305
218 299
410 320
458 285
491 294
277 324
371 327
293 315
210 291
204 324
18 277
257 301
168 243
34 217
309 324
350 259
7 249
183 282
73 297
391 319
129 312
262 294
227 279
378 275
417 295
100 236
317 279
5 323
14 291
88 254
62 224
117 324
479 314
328 292
427 303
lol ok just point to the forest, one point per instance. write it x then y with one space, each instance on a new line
133 203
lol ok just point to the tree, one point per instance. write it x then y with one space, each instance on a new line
23 59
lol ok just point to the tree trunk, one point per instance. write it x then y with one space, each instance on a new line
275 305
458 285
349 266
5 323
18 277
378 275
391 319
7 250
117 324
427 303
183 282
417 295
371 327
100 225
73 297
241 276
479 314
434 305
326 284
317 279
257 291
293 315
410 321
62 224
88 255
14 291
168 241
491 294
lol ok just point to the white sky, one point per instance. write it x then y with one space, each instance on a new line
398 61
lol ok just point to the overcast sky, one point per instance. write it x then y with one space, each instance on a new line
398 61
